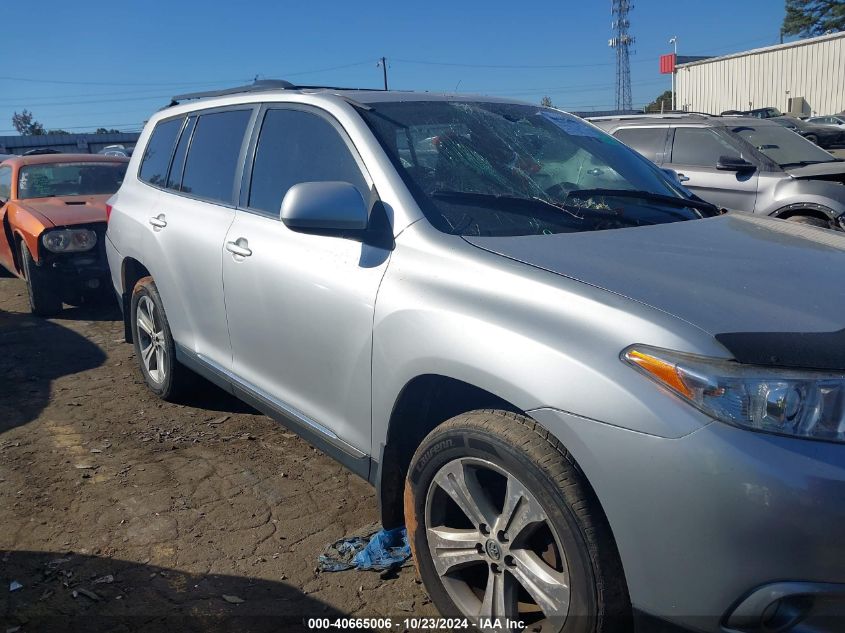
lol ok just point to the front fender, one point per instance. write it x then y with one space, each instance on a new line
27 227
817 195
530 337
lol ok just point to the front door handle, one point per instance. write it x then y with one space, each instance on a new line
239 247
682 178
158 221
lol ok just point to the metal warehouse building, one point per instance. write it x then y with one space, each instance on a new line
66 143
804 78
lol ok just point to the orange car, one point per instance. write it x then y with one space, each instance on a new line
53 212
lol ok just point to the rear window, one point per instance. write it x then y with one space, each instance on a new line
158 151
650 142
213 156
69 179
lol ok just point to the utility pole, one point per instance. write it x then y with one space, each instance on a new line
622 43
383 64
674 41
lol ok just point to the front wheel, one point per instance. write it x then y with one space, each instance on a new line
44 298
503 525
154 345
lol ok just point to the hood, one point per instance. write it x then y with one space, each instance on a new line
833 170
728 274
68 210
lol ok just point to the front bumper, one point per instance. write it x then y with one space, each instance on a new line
705 523
77 273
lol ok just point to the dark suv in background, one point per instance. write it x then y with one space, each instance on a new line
741 163
822 135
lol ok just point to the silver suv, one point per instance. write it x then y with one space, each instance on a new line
588 396
741 164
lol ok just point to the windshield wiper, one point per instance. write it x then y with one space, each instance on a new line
509 201
519 204
699 205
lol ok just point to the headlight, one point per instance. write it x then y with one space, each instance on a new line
788 402
69 240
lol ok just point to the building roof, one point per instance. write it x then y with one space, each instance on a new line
768 49
41 159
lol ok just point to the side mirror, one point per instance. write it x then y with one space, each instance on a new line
674 176
734 163
324 206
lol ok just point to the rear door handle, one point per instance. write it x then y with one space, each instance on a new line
240 247
682 178
158 221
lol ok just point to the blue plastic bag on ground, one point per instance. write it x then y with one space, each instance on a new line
384 549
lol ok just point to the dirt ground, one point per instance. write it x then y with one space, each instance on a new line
119 512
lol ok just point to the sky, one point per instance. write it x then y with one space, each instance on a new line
94 63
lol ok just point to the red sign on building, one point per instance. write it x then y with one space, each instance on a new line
667 64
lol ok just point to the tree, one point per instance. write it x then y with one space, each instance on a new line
808 18
102 130
663 103
59 131
26 125
546 102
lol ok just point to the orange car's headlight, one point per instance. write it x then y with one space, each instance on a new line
69 240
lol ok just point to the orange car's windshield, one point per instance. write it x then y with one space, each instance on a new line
69 179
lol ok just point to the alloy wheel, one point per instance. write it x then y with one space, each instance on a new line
493 546
151 340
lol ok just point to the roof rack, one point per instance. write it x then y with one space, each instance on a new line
652 115
259 85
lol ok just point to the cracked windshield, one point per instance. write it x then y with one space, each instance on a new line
503 169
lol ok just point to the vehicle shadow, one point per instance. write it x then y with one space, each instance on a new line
75 592
36 352
105 309
207 395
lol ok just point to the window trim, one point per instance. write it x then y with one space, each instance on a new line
239 168
249 162
176 148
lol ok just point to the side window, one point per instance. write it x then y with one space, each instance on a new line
158 151
650 142
213 157
5 184
294 147
700 146
174 180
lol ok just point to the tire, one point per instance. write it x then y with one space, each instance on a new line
812 138
154 346
44 298
560 529
810 221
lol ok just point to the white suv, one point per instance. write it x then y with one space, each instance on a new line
584 392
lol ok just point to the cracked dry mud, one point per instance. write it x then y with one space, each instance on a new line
119 512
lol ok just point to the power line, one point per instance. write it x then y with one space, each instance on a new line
66 103
514 66
177 83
